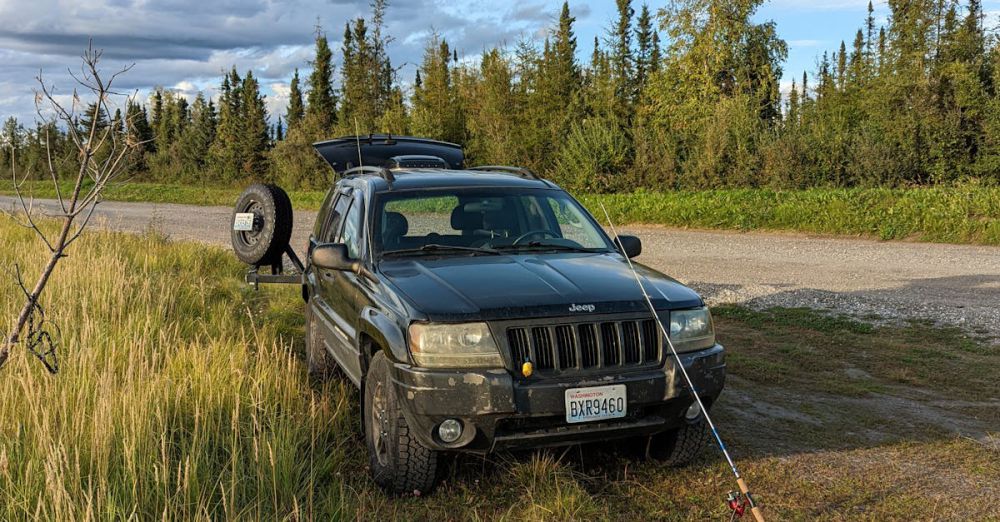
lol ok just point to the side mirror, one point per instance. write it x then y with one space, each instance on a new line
333 256
630 246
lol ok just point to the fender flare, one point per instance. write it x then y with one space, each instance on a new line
386 332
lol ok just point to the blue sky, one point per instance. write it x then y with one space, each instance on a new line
186 44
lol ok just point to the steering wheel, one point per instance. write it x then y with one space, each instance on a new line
539 232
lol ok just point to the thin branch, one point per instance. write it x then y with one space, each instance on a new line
28 208
79 231
20 280
52 171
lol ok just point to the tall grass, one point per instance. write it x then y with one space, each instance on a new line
179 398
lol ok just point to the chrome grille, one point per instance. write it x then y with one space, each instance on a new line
563 348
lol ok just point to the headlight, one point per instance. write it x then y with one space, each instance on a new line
467 345
691 329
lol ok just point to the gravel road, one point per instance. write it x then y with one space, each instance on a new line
957 285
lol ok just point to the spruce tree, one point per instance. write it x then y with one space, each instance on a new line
858 64
321 104
197 138
225 161
792 117
645 40
137 127
842 66
90 114
156 115
870 35
253 140
565 70
296 110
11 145
623 60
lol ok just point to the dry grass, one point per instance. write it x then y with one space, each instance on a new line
183 396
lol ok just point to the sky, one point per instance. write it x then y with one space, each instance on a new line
185 45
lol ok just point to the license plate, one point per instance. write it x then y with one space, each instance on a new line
243 222
596 403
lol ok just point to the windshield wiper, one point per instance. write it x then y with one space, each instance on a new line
537 245
437 247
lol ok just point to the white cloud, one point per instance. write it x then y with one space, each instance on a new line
186 45
277 101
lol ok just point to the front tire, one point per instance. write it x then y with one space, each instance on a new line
681 446
399 463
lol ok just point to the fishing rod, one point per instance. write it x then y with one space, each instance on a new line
737 502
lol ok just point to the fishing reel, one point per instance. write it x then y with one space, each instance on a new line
739 504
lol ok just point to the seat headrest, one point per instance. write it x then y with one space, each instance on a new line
395 225
498 220
462 219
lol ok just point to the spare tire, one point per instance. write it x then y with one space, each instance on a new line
263 241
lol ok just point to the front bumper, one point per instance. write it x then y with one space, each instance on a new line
499 410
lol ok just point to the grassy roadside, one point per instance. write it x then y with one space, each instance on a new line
205 195
960 214
183 396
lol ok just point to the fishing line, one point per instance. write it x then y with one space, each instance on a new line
733 504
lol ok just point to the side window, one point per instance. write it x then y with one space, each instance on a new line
351 236
332 227
324 210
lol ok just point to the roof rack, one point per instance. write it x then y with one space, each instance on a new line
520 171
385 173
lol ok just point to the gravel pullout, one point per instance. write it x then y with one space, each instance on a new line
952 285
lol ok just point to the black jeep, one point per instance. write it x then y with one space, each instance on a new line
481 308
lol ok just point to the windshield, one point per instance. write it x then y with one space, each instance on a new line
464 221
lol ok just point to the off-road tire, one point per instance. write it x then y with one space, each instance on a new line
406 466
272 230
321 364
679 447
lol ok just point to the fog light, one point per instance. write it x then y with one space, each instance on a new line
450 430
693 411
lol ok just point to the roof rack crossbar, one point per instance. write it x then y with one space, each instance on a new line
520 171
385 173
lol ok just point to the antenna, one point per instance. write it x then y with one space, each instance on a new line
357 138
754 509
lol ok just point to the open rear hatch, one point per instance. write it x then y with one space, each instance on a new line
383 150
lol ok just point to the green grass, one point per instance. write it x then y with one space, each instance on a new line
183 395
957 214
205 195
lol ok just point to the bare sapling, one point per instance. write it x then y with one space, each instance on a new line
104 149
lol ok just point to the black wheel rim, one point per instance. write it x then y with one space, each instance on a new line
251 237
380 425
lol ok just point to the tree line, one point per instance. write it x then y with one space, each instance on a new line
687 97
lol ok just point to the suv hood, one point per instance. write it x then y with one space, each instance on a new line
486 288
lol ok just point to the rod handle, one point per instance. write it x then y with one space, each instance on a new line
758 515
